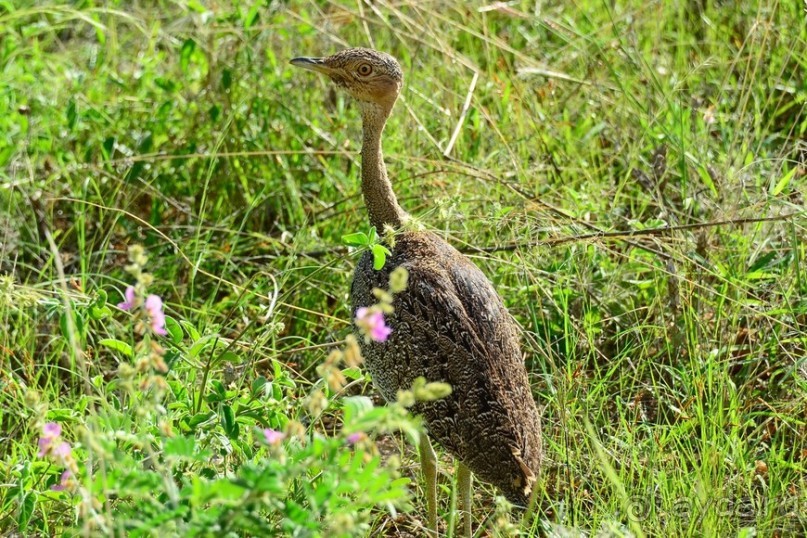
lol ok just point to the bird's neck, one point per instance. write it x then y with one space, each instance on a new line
382 205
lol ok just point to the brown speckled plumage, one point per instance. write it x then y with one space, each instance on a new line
449 325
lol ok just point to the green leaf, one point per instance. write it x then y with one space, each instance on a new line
784 182
101 299
98 313
190 329
200 345
252 16
197 6
226 78
231 357
26 505
174 330
179 447
78 324
71 114
358 239
380 253
98 309
218 392
228 422
353 373
117 345
258 385
707 179
188 47
222 490
355 406
200 418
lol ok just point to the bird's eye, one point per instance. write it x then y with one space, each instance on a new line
365 69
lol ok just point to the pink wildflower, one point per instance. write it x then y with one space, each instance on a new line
63 481
273 437
154 306
50 432
354 438
129 295
62 450
371 322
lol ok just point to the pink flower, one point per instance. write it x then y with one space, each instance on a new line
273 437
50 432
371 322
154 307
354 438
63 481
62 450
129 295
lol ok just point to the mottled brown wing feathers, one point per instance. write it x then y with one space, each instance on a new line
450 325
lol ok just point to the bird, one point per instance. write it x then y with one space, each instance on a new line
449 325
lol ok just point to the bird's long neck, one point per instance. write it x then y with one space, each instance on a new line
382 205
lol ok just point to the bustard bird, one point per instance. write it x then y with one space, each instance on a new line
449 325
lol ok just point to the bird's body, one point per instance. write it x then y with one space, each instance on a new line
449 325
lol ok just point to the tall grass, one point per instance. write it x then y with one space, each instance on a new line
630 175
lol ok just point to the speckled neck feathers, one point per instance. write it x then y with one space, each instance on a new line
382 205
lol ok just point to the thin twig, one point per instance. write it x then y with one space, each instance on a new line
552 208
652 232
620 234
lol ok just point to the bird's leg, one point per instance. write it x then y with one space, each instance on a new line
428 464
526 519
464 481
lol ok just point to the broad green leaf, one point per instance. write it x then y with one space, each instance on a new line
78 324
228 422
353 373
190 329
355 406
218 393
199 346
224 490
784 182
252 16
180 446
97 313
707 179
25 509
358 239
231 357
117 345
380 253
101 299
200 418
174 330
71 114
258 385
187 51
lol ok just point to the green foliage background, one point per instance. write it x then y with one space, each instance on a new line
629 174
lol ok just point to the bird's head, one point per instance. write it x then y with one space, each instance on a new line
373 78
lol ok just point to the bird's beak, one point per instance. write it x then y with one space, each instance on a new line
312 64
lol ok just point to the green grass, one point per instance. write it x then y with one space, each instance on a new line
671 364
